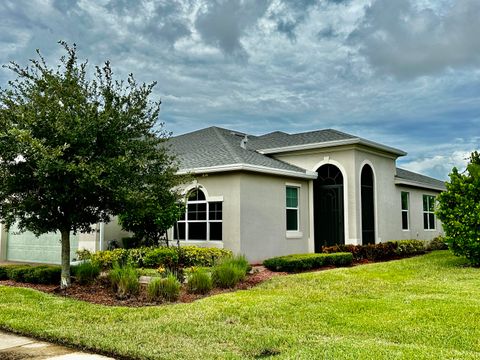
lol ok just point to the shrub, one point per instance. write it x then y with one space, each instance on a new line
227 275
84 254
199 282
153 257
124 280
167 288
17 272
437 243
44 274
106 259
407 248
459 210
86 272
229 271
379 252
161 256
136 256
3 273
198 256
302 262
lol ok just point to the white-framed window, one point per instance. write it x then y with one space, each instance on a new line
202 220
428 212
405 207
292 210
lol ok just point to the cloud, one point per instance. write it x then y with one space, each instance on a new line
223 22
289 14
408 41
439 166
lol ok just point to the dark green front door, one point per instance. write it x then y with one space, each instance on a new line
328 207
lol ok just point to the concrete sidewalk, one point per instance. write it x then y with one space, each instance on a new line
14 347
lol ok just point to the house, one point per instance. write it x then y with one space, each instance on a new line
281 193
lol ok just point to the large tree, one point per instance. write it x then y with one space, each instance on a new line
75 147
459 210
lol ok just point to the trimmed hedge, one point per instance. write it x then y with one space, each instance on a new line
302 262
42 274
152 257
201 256
381 251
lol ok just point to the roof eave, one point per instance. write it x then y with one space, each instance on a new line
247 167
326 144
400 181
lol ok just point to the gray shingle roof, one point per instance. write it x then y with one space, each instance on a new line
215 146
410 176
281 139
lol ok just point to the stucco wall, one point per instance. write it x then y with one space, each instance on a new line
350 160
344 159
416 230
254 214
263 217
386 205
224 187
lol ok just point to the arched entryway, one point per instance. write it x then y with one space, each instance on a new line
328 207
368 207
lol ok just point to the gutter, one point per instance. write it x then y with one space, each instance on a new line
400 181
247 167
325 144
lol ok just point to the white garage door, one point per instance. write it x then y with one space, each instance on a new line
43 249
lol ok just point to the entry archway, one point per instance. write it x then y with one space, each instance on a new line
328 207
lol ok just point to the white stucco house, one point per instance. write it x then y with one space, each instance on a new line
281 193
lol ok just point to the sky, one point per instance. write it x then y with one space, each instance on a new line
405 73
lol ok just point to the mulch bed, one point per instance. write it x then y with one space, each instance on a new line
101 293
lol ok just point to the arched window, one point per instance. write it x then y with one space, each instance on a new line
202 220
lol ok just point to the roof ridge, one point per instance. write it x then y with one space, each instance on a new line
321 130
227 145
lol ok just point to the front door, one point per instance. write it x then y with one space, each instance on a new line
328 207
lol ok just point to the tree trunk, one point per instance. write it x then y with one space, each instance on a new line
65 277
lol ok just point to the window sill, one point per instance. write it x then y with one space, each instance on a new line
195 241
294 234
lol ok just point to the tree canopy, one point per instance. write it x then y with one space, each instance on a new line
76 148
459 211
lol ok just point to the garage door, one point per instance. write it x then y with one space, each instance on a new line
43 249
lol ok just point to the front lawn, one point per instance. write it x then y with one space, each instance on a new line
426 307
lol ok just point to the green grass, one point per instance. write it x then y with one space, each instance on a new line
426 307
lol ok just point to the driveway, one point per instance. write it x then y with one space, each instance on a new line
14 347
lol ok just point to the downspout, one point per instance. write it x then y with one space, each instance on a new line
102 235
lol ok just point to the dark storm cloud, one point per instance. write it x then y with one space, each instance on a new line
168 22
406 41
222 23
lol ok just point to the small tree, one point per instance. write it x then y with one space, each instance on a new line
150 213
459 211
74 149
